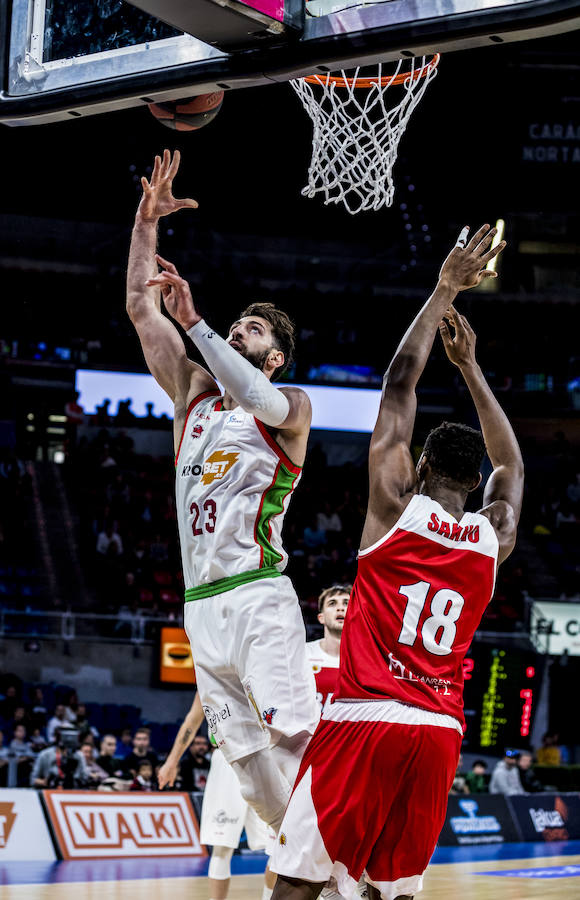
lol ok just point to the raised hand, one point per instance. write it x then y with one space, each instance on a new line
460 347
176 294
158 199
464 268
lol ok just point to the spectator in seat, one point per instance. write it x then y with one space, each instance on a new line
59 720
83 724
39 712
314 537
95 774
106 538
37 740
141 750
71 707
143 780
4 753
549 753
194 769
328 519
59 766
530 782
505 778
477 778
107 759
459 785
124 744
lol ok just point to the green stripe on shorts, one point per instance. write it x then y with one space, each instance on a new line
228 584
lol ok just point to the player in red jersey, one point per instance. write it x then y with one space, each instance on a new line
371 793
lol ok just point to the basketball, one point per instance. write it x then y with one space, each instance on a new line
188 114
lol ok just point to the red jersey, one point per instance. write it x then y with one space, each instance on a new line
325 668
418 597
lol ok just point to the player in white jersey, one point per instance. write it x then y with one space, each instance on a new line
224 812
239 456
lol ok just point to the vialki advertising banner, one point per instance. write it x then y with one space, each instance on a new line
547 817
24 834
478 819
96 825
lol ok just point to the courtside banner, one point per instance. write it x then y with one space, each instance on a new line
547 817
478 819
24 833
96 825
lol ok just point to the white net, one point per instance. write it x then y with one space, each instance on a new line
356 134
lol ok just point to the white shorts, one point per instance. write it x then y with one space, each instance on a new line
253 677
224 811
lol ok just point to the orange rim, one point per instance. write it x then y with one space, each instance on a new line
341 81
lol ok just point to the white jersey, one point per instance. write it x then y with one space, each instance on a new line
233 486
325 668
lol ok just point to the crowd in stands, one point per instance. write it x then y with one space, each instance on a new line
513 774
62 748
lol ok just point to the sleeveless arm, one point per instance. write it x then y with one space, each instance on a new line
161 342
505 487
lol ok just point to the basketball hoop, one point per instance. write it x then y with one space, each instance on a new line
356 134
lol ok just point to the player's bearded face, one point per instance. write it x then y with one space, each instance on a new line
255 348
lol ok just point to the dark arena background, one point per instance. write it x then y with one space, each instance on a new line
91 588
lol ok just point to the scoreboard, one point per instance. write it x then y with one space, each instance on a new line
501 695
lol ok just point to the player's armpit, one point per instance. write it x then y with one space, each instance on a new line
506 484
300 412
505 524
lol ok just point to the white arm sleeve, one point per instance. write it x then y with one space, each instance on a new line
248 386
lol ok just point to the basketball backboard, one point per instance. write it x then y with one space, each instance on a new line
65 59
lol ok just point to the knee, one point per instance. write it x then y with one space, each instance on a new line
219 864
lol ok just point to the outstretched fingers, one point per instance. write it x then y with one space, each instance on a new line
485 242
165 164
477 237
174 166
155 173
491 253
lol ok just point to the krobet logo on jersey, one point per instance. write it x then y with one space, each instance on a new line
217 466
7 820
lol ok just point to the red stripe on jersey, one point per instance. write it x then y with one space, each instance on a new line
414 608
193 403
272 443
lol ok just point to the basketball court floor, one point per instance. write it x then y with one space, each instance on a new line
509 871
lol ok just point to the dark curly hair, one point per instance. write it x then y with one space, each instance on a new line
455 452
282 331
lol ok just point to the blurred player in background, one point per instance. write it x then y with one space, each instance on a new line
324 654
224 813
238 459
383 758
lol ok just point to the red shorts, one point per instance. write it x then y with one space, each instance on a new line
370 796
